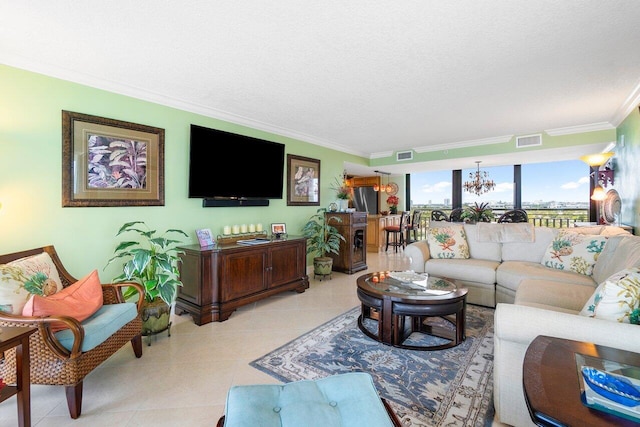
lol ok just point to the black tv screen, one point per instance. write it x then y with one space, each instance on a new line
228 165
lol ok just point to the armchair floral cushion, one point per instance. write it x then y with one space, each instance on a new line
19 279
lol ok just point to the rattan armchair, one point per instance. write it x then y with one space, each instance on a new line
52 363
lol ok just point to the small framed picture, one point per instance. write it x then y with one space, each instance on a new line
278 229
205 238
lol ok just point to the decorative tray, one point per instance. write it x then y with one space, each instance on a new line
605 387
410 277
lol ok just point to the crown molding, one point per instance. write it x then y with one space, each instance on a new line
627 107
569 130
463 144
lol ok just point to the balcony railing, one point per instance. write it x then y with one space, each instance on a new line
553 218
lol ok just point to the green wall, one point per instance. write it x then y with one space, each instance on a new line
32 215
31 173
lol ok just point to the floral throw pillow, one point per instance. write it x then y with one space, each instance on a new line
448 242
617 298
574 252
19 279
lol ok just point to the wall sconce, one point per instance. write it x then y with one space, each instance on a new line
598 193
605 176
596 161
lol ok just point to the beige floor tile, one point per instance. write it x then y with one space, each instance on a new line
183 379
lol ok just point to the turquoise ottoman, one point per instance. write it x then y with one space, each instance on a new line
340 400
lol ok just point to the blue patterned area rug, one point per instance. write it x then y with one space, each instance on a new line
451 387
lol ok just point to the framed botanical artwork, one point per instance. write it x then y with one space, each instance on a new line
107 162
278 229
303 181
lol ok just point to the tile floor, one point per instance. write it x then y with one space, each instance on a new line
183 380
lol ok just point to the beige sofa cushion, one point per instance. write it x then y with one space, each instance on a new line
479 249
529 251
553 295
619 253
511 273
473 270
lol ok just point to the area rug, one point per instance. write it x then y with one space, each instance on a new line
451 387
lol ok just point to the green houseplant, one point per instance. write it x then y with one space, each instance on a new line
478 213
322 238
151 261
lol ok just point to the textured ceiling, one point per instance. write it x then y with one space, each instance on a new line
365 77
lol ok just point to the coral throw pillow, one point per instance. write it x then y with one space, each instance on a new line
19 279
448 242
79 301
617 298
574 252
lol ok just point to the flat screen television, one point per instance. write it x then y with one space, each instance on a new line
224 165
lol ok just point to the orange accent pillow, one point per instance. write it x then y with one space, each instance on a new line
79 301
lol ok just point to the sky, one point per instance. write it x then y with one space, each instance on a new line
566 181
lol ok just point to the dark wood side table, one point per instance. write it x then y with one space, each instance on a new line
19 338
551 382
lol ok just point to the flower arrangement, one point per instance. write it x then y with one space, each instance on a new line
478 213
393 201
342 190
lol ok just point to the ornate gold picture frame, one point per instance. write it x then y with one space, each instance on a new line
107 162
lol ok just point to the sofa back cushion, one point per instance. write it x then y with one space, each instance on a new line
619 253
529 251
482 248
574 252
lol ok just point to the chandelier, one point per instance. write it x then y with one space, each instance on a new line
479 182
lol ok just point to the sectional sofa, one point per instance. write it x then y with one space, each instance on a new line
529 275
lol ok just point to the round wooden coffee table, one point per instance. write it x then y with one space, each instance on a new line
390 301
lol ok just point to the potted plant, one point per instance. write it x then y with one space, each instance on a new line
392 202
478 213
343 193
322 238
151 261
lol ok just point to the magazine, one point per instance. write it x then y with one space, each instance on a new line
205 237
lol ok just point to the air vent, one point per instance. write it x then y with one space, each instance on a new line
404 155
528 141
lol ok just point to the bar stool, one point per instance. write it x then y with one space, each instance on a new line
397 231
414 226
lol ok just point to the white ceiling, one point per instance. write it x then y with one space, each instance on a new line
363 76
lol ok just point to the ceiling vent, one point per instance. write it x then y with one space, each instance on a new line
404 155
528 141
